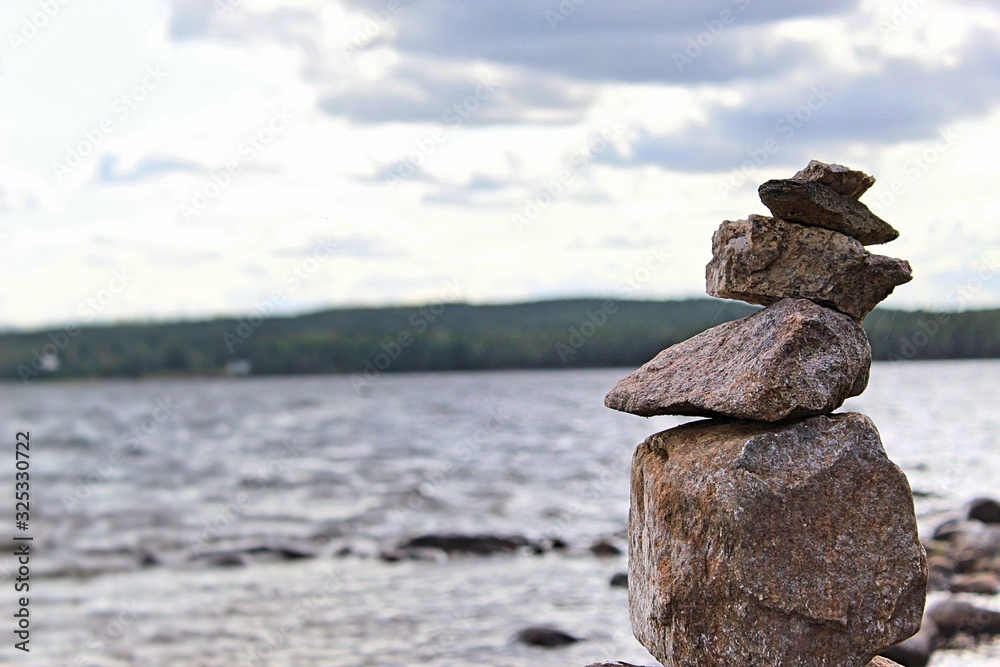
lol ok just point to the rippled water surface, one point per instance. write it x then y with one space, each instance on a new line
154 503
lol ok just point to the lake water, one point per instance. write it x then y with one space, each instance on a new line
138 487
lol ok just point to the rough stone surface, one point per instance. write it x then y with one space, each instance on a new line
918 649
877 662
792 359
882 662
763 260
815 204
791 545
837 177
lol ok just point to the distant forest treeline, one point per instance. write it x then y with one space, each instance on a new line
553 334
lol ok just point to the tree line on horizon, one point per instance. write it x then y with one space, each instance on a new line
571 333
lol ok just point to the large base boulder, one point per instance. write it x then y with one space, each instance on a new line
792 359
773 545
763 260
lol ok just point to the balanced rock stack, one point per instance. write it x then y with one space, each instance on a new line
775 534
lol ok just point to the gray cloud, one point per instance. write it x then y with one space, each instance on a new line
558 55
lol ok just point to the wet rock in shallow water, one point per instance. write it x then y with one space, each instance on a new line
762 260
978 583
282 552
915 651
877 662
986 510
545 637
837 177
792 359
955 616
772 544
816 205
605 549
480 545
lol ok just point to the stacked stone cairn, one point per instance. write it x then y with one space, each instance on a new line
775 534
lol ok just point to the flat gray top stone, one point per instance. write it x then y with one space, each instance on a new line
814 204
837 177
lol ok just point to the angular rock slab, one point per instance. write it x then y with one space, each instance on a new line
763 260
814 204
792 359
789 545
877 662
837 177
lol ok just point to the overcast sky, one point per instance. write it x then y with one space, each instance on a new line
164 159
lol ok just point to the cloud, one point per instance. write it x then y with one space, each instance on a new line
110 171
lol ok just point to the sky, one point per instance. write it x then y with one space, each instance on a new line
180 159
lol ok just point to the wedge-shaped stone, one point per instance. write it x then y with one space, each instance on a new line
790 545
812 203
792 359
763 260
837 177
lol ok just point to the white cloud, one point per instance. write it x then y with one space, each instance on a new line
475 114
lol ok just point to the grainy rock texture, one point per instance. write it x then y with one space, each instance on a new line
882 662
877 662
812 203
791 545
763 260
917 650
792 359
837 177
